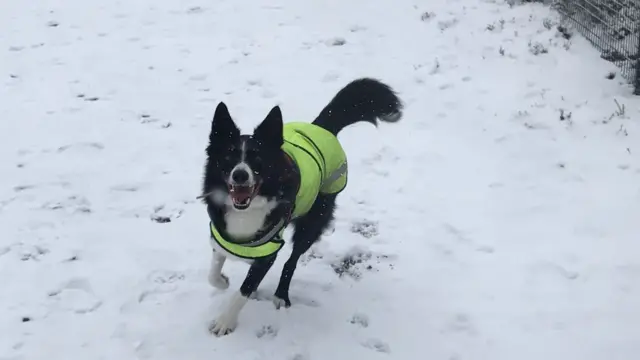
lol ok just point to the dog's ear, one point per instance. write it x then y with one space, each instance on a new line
269 132
223 126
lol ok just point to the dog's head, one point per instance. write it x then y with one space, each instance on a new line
238 165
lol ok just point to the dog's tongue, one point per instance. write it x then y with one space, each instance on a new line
241 194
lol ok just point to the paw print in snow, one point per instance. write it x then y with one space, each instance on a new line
163 215
366 228
355 261
76 295
360 319
377 345
337 41
72 204
267 331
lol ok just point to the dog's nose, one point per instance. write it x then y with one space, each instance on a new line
240 176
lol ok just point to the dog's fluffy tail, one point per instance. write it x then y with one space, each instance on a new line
363 99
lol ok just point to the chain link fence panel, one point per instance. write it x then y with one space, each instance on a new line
613 27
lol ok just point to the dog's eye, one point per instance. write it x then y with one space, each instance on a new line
254 155
230 152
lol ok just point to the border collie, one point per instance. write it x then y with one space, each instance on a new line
255 185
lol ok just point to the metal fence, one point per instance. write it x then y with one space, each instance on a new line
612 26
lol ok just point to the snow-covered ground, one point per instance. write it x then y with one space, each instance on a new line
499 220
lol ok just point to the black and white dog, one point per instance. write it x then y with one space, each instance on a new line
255 185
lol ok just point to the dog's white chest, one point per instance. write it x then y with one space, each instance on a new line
246 223
241 225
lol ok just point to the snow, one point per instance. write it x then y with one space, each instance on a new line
481 226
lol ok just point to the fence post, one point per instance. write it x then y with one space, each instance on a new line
636 76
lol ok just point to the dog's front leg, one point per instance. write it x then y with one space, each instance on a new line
216 278
228 320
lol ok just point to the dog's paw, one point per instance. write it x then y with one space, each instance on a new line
223 326
219 281
281 301
228 319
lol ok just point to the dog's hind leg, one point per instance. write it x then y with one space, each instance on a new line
216 278
308 230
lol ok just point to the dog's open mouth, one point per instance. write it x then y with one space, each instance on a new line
241 195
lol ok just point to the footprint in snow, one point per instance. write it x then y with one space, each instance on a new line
72 258
27 252
76 295
267 331
165 276
159 283
360 319
446 24
336 41
162 214
427 15
364 227
354 263
72 204
148 119
377 345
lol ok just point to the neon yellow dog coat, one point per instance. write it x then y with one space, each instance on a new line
323 169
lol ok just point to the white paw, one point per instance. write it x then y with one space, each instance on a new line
228 320
224 325
219 281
